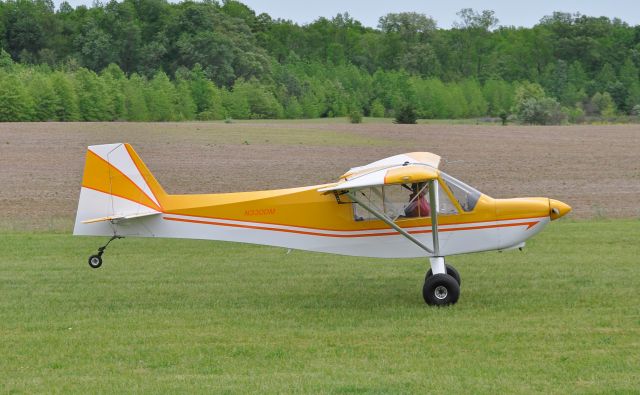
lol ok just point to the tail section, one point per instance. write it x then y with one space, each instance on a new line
116 184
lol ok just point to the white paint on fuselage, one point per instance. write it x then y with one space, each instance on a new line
384 243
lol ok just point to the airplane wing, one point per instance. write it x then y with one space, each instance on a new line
398 174
424 158
120 218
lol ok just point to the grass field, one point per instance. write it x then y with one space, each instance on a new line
184 316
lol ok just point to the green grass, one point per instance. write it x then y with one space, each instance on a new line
183 316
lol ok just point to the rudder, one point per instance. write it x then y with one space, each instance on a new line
115 182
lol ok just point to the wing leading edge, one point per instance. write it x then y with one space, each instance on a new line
404 168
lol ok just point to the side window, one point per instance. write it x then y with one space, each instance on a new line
464 194
395 201
406 200
445 206
373 198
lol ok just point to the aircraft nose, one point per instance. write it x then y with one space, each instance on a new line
558 209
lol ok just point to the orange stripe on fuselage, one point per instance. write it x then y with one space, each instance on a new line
528 224
316 231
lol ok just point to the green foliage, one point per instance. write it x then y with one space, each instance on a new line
574 114
262 104
93 102
221 59
504 117
15 103
406 114
236 103
161 98
498 95
377 109
45 102
66 99
532 106
602 104
355 116
205 94
293 109
185 107
114 81
135 99
5 60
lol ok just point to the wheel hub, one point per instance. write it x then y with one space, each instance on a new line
94 260
441 292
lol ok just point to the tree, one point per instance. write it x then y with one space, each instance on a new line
236 102
5 60
15 103
629 77
66 100
185 107
160 98
135 98
602 104
93 103
205 94
114 80
377 109
476 103
43 95
499 96
96 47
532 106
406 114
293 109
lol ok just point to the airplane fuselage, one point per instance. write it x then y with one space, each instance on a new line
302 218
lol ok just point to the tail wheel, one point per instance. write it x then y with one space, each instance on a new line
441 290
95 261
450 271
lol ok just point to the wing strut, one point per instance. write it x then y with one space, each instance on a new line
433 203
434 219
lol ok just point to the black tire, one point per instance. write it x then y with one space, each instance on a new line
450 271
95 261
441 290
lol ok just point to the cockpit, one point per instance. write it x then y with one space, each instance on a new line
411 200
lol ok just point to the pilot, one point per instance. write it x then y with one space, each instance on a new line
418 206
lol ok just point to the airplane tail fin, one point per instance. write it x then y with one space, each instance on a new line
116 185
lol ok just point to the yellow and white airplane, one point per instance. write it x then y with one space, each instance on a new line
398 207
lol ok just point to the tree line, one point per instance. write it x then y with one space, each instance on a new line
154 60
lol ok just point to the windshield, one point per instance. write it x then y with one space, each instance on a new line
465 195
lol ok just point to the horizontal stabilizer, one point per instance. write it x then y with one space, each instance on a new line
120 218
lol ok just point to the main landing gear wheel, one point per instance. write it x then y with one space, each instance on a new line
441 290
95 261
450 271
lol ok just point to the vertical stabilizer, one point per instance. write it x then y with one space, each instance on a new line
115 183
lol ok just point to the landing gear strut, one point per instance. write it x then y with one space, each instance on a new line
95 261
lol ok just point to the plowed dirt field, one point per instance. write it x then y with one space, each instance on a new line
596 169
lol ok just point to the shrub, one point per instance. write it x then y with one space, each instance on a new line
544 111
532 106
504 117
574 114
406 115
355 116
377 109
